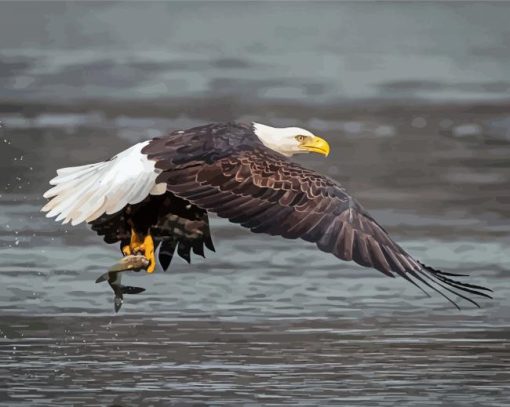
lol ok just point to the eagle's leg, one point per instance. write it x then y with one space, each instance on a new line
140 244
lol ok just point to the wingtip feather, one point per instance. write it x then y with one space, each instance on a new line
455 287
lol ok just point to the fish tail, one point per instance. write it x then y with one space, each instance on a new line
126 289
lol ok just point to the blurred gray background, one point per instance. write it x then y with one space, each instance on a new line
414 100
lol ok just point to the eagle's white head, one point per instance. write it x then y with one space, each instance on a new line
290 140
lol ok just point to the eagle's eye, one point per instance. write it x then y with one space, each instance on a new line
300 138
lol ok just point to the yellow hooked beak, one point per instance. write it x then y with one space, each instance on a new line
315 144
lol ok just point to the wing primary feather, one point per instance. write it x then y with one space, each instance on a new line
396 265
442 272
439 283
405 274
314 233
329 237
378 258
472 288
423 281
360 251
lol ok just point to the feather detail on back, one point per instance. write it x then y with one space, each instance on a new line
86 192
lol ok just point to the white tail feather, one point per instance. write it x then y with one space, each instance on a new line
86 192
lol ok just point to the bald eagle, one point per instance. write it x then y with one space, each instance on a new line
158 193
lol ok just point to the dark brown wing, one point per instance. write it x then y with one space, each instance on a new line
267 193
173 222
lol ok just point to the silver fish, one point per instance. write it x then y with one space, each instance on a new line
113 276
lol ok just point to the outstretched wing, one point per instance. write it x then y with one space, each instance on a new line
265 192
86 192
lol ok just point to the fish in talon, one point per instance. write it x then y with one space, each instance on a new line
113 276
132 262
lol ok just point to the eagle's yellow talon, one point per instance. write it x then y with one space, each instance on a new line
148 244
141 245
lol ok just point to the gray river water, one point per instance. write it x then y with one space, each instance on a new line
413 99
